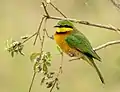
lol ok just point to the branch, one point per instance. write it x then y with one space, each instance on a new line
115 3
53 84
100 47
85 23
33 78
107 44
77 21
41 48
58 10
29 37
45 8
38 31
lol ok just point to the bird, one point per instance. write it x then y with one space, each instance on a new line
74 43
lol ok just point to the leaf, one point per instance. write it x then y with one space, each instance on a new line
12 54
45 67
37 67
14 47
43 80
57 86
50 84
33 56
47 56
21 52
51 73
48 63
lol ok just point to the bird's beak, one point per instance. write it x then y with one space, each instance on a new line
56 26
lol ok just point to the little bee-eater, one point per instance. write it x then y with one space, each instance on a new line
75 44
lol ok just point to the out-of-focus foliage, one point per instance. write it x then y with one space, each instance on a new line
42 62
14 47
41 66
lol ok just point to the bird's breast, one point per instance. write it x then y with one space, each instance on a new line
60 40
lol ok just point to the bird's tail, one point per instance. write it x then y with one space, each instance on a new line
92 63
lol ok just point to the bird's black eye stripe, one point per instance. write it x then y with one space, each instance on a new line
67 26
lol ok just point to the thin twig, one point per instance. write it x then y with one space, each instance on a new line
38 32
29 37
45 9
61 64
85 23
101 47
44 31
60 68
46 12
107 44
53 84
51 37
115 4
58 74
43 37
33 78
58 10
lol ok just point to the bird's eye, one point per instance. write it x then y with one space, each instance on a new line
66 25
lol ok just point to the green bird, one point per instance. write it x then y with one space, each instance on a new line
75 44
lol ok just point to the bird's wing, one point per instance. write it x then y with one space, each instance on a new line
80 42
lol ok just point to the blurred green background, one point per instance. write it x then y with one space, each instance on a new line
21 17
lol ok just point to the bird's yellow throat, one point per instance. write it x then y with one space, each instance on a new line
64 29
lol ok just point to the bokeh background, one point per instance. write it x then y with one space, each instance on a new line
21 17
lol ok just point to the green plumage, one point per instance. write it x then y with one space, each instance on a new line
79 42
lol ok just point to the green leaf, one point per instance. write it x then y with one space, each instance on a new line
12 54
51 73
21 52
33 56
43 80
48 63
48 56
49 84
57 86
45 69
37 67
14 47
